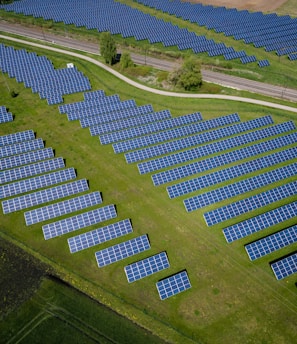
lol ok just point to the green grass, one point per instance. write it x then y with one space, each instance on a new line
231 299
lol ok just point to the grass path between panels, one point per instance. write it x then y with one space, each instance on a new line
231 299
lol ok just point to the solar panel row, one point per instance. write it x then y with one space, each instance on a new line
130 122
22 147
285 267
260 222
17 137
26 158
254 202
6 117
228 173
76 222
195 140
26 185
146 267
151 128
31 170
246 185
43 196
146 140
123 250
173 285
212 148
100 235
271 243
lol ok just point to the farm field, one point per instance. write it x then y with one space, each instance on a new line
231 299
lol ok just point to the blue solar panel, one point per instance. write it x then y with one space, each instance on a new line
26 185
212 148
26 158
123 250
146 267
271 243
246 185
115 116
94 94
130 122
31 170
99 236
175 133
260 222
21 147
285 267
231 172
186 142
43 196
17 137
173 285
246 205
65 207
186 121
74 223
6 117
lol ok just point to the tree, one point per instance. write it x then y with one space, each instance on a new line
108 48
126 61
188 76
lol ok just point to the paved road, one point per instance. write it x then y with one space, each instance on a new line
208 76
152 90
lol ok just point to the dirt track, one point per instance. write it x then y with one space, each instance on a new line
253 5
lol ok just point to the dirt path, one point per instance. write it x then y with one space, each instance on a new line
253 5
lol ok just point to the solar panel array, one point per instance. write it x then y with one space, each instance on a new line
285 267
146 267
26 185
21 147
5 116
99 236
38 73
17 137
271 243
260 222
62 208
238 188
103 16
43 196
194 140
271 31
79 221
123 250
254 202
173 285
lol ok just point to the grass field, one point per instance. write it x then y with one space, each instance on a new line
231 299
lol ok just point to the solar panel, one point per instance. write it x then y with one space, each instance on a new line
146 267
212 148
285 267
6 117
123 250
43 196
245 185
271 243
229 173
129 133
21 147
175 133
260 222
130 122
173 285
76 222
62 208
26 158
246 205
195 140
17 137
26 185
31 170
100 235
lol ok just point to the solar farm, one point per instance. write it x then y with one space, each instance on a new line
182 217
